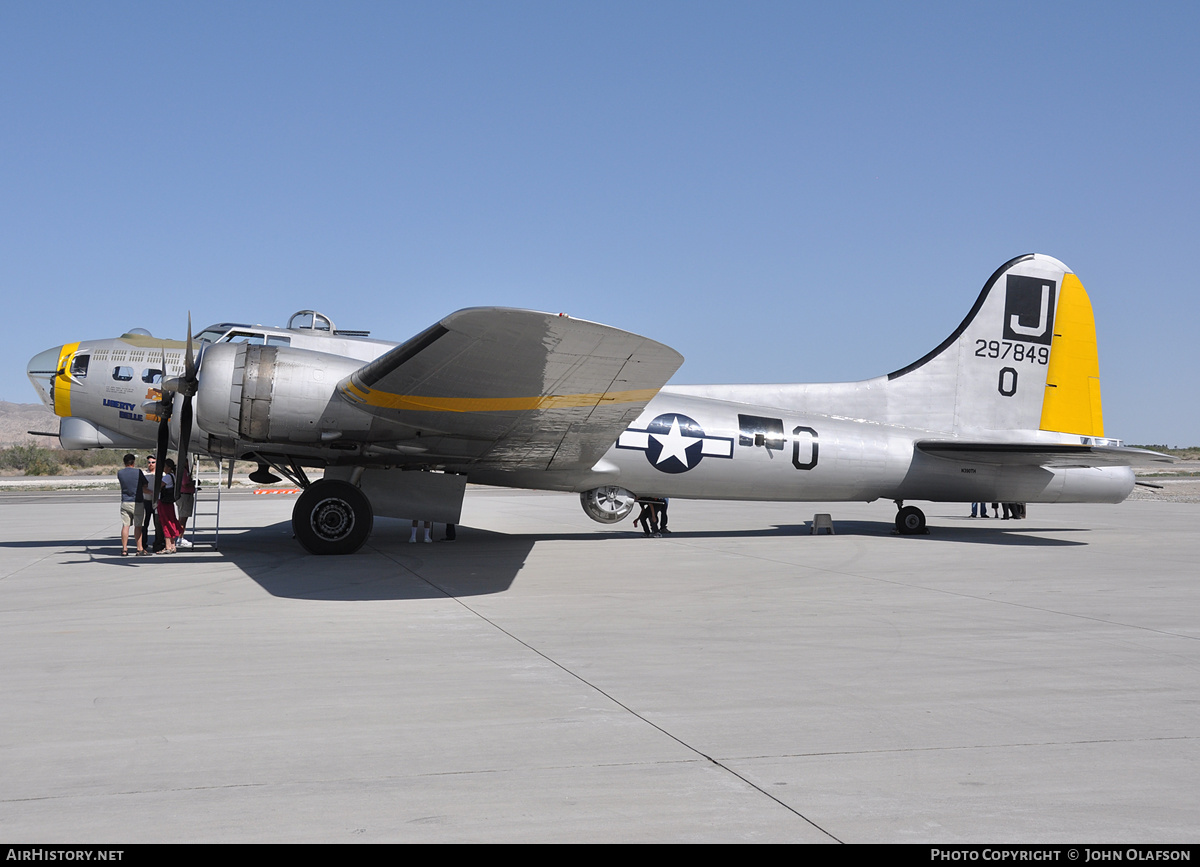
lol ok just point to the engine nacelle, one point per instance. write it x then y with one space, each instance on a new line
275 394
608 504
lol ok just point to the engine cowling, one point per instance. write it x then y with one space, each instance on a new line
275 394
608 504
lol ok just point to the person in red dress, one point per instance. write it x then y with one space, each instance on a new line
166 507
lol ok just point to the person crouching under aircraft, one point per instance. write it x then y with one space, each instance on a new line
648 516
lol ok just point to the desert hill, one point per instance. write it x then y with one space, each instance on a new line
16 419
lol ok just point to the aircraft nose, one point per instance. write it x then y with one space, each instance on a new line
41 370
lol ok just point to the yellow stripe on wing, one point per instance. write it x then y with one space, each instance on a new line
421 403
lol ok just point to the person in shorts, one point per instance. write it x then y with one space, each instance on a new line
132 482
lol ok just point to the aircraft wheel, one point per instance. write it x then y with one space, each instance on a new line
332 517
910 521
608 504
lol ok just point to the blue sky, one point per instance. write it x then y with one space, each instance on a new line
781 191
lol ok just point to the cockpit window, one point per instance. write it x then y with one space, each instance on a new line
211 335
123 374
151 376
255 338
79 366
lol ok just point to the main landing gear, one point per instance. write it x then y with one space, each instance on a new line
910 521
332 517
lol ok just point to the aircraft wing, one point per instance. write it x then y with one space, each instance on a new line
1058 455
513 389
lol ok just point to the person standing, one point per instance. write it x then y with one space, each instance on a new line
184 504
151 513
166 507
133 484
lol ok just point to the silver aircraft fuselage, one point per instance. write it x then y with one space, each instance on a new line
692 446
1006 409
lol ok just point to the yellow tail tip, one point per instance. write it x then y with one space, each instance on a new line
1072 401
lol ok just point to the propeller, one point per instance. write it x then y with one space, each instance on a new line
185 385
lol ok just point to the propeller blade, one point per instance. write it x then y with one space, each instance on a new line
185 435
164 440
189 359
189 384
164 429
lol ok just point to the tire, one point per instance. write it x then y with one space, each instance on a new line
608 504
332 517
910 521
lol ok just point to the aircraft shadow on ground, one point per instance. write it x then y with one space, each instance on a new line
483 562
984 535
1020 536
480 562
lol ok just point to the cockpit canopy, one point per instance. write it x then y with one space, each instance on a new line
309 322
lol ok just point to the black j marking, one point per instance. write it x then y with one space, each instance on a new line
1029 309
674 443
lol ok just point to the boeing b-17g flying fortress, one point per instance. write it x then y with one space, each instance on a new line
1007 408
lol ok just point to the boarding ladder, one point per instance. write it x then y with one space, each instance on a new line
204 528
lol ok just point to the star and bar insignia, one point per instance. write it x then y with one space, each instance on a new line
674 443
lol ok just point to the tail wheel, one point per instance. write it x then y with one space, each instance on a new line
332 517
910 521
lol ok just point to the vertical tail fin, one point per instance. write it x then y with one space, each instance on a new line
1023 359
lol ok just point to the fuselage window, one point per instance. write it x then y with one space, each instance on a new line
274 340
755 430
245 337
151 376
123 374
79 366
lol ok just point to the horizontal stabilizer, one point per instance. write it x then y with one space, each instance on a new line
1058 455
